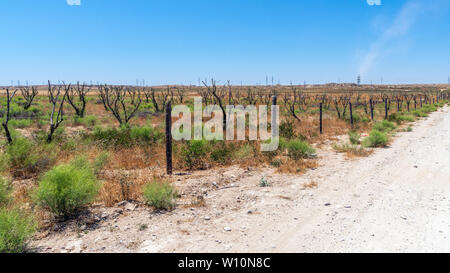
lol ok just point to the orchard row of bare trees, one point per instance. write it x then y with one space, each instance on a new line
296 100
124 102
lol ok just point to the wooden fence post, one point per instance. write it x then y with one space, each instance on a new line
274 100
386 108
274 118
321 121
371 108
169 137
351 114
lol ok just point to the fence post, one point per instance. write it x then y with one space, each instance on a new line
321 116
372 106
386 108
351 114
169 137
274 117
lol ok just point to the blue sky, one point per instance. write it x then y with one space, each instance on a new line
179 41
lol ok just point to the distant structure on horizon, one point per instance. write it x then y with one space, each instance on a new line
358 80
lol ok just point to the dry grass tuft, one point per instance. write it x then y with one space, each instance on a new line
123 185
311 185
299 166
352 151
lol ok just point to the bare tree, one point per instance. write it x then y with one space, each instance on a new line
160 99
28 95
147 94
122 105
80 91
345 102
206 96
9 97
230 93
180 94
408 99
266 97
102 91
291 100
133 93
399 99
252 96
212 89
57 107
341 101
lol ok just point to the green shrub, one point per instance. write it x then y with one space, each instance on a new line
244 152
193 152
67 188
282 143
272 154
263 182
100 162
276 163
160 195
419 113
221 153
376 139
287 130
299 149
125 136
145 134
356 118
21 157
407 118
20 123
88 121
429 108
16 228
399 118
384 126
70 144
17 112
354 137
5 192
393 117
25 158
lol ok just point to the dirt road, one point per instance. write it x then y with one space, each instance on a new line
397 199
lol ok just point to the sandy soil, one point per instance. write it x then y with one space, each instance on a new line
397 199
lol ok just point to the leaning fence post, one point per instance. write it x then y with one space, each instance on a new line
169 137
321 122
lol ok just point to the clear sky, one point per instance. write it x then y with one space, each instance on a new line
179 41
